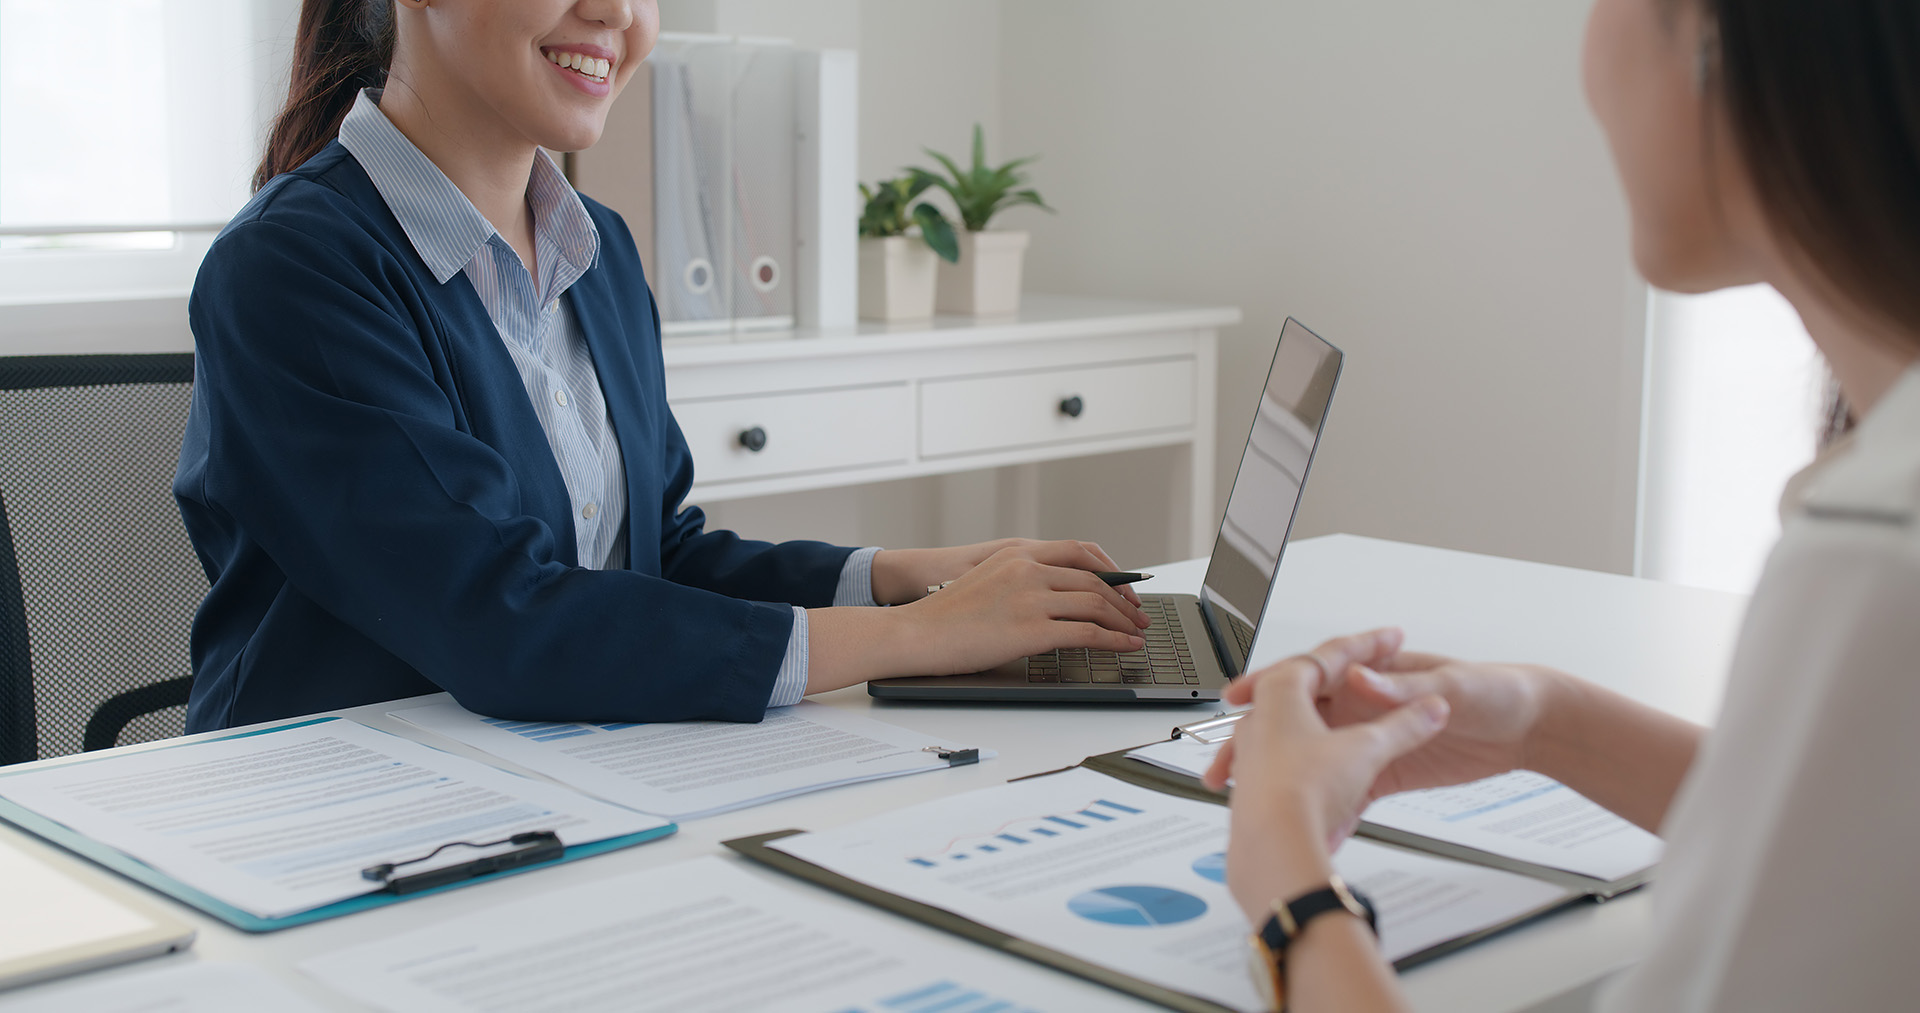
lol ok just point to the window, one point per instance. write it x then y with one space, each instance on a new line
1734 405
127 129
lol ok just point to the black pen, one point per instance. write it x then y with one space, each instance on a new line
1114 579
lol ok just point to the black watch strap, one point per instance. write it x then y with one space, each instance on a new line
1289 919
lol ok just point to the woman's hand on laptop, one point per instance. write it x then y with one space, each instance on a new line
1023 599
903 575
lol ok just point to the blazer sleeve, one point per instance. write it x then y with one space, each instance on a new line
335 446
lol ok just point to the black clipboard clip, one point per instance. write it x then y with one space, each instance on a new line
529 848
954 757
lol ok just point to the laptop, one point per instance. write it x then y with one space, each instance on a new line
1196 643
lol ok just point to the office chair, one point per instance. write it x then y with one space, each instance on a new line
98 582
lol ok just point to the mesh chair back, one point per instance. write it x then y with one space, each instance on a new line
98 581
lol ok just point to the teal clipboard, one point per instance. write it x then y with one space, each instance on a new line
140 872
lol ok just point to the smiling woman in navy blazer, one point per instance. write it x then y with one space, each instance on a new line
430 447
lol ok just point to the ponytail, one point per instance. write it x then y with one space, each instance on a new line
341 47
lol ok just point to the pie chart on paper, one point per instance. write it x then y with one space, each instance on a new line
1137 906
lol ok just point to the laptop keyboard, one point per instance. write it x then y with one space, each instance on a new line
1166 661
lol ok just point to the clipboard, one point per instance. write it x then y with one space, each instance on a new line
756 848
140 872
1119 765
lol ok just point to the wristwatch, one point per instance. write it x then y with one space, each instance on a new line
1268 946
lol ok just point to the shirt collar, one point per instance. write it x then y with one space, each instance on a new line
446 230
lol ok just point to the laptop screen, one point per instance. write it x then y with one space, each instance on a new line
1266 490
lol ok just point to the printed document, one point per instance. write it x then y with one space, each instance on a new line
697 935
181 988
283 821
1520 815
687 769
1133 879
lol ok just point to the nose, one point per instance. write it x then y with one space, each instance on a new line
615 14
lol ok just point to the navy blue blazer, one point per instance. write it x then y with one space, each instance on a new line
380 514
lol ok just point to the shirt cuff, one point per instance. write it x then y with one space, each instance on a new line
790 686
856 579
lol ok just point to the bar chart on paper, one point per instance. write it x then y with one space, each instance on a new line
1028 830
553 731
942 997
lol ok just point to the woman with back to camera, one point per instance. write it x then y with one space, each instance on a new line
1768 141
430 447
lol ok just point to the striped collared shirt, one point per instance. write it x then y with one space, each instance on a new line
540 332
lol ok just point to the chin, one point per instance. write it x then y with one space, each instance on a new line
1687 270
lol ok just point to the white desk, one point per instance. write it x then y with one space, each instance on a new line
1664 644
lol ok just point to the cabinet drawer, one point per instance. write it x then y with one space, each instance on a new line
815 430
974 414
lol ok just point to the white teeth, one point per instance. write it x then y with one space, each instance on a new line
586 66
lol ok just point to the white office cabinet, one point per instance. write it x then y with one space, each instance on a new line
1000 411
839 407
770 435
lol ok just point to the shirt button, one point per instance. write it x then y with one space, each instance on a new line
553 306
560 398
589 510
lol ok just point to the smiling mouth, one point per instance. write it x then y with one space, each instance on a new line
586 66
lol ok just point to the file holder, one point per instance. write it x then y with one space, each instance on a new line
246 921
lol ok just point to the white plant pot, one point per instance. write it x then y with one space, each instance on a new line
986 281
896 278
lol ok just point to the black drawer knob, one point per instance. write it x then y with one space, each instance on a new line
1072 407
754 439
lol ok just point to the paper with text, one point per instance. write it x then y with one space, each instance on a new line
1133 879
697 935
1520 815
688 769
283 821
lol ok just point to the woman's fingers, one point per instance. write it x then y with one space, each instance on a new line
1095 637
1399 732
1066 579
1090 607
1221 769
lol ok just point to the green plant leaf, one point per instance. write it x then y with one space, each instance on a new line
935 229
979 148
1026 197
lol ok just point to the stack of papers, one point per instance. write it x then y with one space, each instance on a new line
698 935
689 769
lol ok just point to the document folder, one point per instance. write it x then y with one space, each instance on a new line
140 872
756 849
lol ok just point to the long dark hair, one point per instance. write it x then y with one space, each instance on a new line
341 47
1823 98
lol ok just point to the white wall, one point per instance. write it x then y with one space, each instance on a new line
1420 183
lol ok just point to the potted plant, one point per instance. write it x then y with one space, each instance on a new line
985 280
897 269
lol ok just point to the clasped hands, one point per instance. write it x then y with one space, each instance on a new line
1346 723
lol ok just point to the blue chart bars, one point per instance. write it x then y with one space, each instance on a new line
1019 833
551 731
942 997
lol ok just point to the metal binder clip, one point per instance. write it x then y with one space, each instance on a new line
528 848
954 757
1212 731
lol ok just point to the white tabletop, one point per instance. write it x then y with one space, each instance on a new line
1663 644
